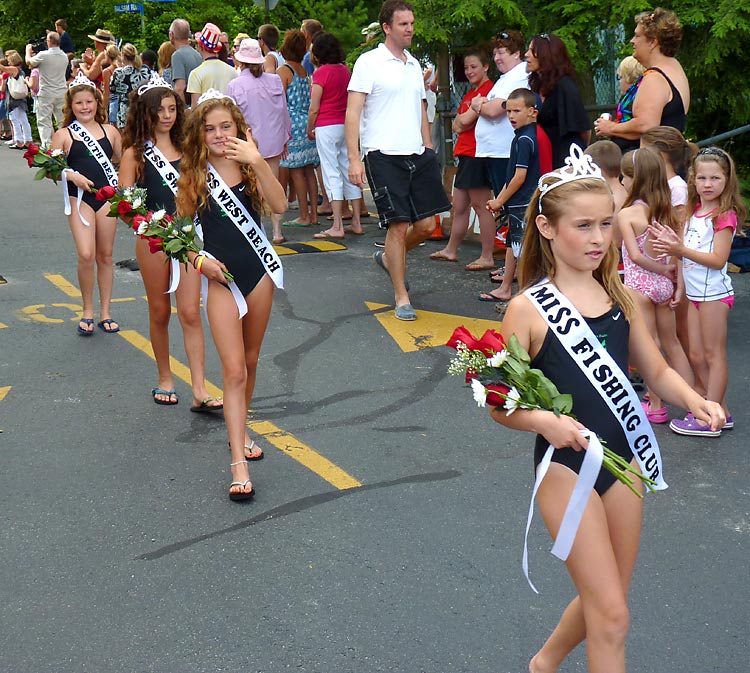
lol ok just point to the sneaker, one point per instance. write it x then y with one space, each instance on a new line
690 426
657 416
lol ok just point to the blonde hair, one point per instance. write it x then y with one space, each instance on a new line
537 261
630 69
730 198
164 55
650 185
192 188
130 54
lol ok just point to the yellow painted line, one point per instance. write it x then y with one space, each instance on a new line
3 325
430 330
281 439
121 299
4 391
63 285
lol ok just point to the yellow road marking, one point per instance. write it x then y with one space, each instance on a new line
63 285
431 329
3 325
4 391
123 299
281 439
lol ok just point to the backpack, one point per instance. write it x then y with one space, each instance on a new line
17 87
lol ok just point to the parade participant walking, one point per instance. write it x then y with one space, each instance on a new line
569 268
716 209
151 159
52 64
386 116
224 180
91 148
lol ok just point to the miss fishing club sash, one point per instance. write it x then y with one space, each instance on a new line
612 384
169 176
101 158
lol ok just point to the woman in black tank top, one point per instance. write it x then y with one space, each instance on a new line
93 230
156 118
216 137
569 241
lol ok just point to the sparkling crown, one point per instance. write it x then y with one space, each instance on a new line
81 80
578 166
156 82
214 94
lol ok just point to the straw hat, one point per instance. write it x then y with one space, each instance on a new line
103 36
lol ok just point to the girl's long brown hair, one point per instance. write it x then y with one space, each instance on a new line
537 261
143 116
192 190
730 197
68 116
650 185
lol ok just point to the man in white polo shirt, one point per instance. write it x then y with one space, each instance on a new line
52 64
389 146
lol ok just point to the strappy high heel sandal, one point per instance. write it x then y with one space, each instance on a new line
241 496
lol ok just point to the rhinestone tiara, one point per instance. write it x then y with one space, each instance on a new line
214 94
81 80
156 82
578 166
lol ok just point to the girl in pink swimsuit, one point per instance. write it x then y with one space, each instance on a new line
651 276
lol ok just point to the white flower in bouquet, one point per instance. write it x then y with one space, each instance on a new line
498 359
511 400
479 392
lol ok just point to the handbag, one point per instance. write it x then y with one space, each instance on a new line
17 87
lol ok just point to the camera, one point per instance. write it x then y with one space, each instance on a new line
40 44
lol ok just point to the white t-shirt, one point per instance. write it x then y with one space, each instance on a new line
392 114
679 190
701 282
494 136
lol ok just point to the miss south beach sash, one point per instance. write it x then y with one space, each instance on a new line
605 375
250 229
169 175
102 159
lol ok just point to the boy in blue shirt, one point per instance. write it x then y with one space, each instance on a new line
521 180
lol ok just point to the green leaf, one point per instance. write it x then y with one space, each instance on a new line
40 174
517 350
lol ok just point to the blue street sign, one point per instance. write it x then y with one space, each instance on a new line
129 8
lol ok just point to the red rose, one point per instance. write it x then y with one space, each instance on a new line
30 153
462 335
155 244
137 222
494 392
123 208
490 343
105 193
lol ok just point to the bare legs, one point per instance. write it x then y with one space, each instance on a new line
94 245
399 239
306 187
707 335
601 565
238 344
278 237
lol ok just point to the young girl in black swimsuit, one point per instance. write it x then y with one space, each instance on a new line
216 137
569 241
95 240
156 117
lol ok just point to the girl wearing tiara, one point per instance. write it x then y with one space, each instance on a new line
224 181
151 159
91 148
580 326
715 207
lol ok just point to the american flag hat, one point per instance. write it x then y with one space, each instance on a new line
209 37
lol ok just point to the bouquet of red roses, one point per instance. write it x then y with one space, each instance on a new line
500 374
124 201
175 237
51 163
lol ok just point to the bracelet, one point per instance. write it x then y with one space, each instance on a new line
201 259
195 259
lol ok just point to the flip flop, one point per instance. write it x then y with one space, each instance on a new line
205 408
323 234
168 393
440 257
250 447
488 296
476 266
106 326
87 322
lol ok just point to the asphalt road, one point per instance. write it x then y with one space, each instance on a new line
387 528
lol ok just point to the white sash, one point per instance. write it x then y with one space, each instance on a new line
98 154
613 385
250 229
167 172
238 298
